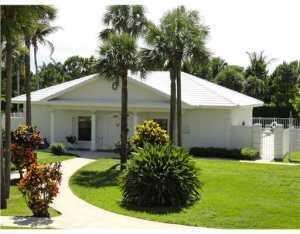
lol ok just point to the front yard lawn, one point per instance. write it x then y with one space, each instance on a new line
293 157
234 194
47 157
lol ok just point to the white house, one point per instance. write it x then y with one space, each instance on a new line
89 109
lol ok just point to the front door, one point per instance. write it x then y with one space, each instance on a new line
112 126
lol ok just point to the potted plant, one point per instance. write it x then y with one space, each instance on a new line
72 140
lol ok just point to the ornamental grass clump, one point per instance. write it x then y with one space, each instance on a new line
160 176
39 186
25 139
149 132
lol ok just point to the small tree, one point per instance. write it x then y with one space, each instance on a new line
40 186
25 139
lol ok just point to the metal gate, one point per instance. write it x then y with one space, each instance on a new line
267 146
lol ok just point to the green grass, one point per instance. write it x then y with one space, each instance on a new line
47 157
16 203
17 206
233 195
293 157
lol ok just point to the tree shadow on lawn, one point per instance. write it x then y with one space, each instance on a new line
99 179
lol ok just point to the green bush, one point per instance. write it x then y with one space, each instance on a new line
57 148
149 132
249 153
160 176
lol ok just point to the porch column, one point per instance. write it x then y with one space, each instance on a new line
135 121
93 132
52 127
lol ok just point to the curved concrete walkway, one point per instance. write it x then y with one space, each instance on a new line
77 213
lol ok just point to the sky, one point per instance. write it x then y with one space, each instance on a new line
235 26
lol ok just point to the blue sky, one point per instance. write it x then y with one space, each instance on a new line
235 27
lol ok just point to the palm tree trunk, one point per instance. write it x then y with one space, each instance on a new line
124 123
7 153
27 83
18 84
179 111
172 105
36 66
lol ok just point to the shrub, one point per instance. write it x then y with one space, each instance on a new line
22 157
149 132
25 139
57 148
160 176
212 152
249 153
39 186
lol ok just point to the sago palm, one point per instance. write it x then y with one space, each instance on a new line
179 37
118 55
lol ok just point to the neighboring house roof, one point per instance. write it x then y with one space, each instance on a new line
196 92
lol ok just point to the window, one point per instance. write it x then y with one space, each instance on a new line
84 128
163 123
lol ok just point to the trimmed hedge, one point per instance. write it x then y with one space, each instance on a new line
247 153
274 112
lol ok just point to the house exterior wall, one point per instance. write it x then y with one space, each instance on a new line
240 115
206 127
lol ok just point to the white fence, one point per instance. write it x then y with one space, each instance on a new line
16 119
285 122
273 143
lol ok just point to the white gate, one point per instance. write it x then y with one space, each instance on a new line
267 146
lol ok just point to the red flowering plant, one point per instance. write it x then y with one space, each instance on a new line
39 186
25 139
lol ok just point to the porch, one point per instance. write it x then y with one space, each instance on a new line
96 130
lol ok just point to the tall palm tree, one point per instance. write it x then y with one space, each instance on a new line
180 37
39 13
118 54
14 19
40 32
8 31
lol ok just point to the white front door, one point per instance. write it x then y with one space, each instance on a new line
112 126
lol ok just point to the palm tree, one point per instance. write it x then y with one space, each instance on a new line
38 14
124 18
258 65
14 19
40 32
180 37
8 30
118 54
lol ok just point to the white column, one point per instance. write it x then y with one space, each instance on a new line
93 132
135 121
52 127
